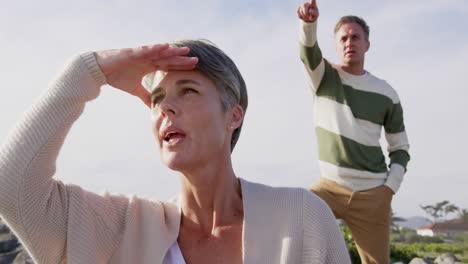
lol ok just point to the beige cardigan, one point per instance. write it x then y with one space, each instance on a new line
61 223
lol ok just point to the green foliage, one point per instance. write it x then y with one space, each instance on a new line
352 249
450 208
431 250
404 254
393 220
406 245
461 238
463 215
435 211
440 209
396 253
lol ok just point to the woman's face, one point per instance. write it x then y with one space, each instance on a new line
189 123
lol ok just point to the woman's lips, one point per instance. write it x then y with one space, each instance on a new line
174 139
172 136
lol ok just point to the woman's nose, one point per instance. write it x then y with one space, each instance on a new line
167 107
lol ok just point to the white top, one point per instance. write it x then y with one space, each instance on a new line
174 255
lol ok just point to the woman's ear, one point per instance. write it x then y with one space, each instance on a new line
237 116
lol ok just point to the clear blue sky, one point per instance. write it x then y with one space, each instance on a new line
420 47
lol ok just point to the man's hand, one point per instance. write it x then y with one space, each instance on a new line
308 11
387 189
124 68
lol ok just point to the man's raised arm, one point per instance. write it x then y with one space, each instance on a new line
310 52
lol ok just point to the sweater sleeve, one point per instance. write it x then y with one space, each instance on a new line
311 54
33 204
323 77
323 241
398 145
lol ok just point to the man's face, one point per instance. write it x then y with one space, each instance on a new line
351 44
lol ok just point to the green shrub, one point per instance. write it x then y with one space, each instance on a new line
402 253
353 252
461 238
417 246
431 250
405 254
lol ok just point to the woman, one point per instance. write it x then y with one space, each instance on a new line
198 99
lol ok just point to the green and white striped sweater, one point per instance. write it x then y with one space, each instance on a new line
349 113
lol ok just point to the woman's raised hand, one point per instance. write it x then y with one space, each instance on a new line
124 68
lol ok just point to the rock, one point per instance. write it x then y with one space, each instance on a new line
446 258
11 251
419 261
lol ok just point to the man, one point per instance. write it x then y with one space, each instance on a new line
351 106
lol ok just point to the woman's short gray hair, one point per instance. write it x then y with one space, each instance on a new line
223 72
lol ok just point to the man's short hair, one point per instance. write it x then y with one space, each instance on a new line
353 19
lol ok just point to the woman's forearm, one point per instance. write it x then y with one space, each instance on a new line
31 201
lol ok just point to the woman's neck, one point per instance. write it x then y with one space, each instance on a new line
211 198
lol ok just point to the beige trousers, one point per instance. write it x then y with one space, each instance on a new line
367 214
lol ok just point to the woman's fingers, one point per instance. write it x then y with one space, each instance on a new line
174 58
124 68
175 63
159 51
173 51
145 52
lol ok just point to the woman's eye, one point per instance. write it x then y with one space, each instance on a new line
157 99
189 91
